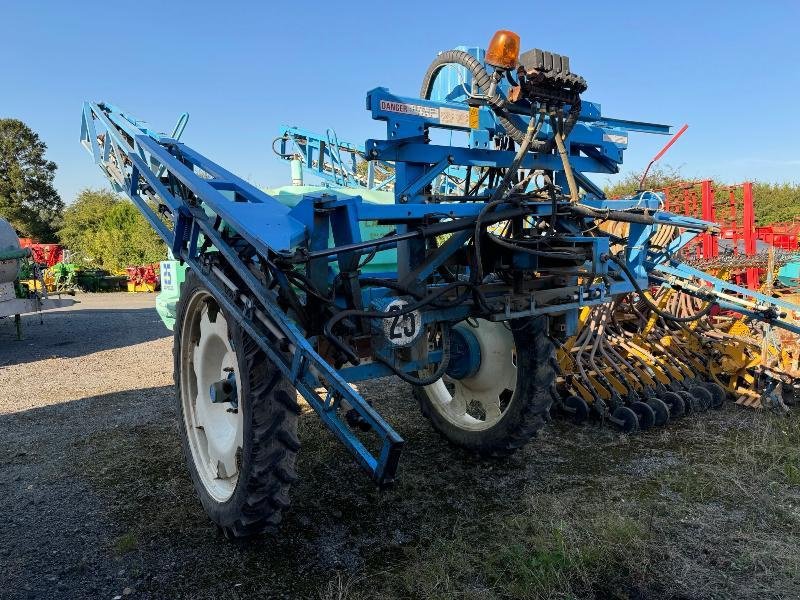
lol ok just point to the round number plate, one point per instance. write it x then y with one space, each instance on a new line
402 330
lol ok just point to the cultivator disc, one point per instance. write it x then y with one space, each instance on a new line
625 354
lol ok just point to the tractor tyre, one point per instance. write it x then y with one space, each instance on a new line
241 453
501 406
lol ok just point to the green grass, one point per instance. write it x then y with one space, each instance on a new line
526 556
126 543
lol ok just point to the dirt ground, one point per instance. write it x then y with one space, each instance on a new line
95 501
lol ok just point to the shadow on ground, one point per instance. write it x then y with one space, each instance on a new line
77 332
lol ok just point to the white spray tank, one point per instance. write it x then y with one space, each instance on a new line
10 255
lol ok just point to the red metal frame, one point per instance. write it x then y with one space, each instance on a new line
781 235
46 254
732 208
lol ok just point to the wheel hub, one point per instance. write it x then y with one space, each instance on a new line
478 388
211 397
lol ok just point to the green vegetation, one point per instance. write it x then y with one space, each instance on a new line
28 199
104 230
126 543
774 202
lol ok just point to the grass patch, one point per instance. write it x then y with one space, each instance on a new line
529 555
126 543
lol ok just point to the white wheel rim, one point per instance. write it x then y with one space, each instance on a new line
479 402
214 433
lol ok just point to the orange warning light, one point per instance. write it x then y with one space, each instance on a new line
503 51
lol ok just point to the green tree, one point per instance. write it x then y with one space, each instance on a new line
28 199
657 179
104 230
775 202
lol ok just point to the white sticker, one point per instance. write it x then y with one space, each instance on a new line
615 138
402 330
167 275
452 116
429 112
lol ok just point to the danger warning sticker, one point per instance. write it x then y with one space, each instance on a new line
429 112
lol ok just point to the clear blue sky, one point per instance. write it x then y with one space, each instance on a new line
729 69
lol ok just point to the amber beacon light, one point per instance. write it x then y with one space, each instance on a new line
503 51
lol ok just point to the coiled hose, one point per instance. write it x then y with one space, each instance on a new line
498 103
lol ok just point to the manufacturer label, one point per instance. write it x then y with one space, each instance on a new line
401 330
452 116
428 112
616 138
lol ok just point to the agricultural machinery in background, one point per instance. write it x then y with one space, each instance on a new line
493 278
17 298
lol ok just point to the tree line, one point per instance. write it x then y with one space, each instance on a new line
773 202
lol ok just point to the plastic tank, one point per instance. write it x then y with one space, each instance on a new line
10 253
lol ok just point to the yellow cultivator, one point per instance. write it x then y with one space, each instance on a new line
628 363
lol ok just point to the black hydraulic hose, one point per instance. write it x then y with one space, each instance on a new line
560 254
373 314
482 80
612 215
480 297
652 306
495 199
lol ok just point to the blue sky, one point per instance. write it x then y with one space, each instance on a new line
729 69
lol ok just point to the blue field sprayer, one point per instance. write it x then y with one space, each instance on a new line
495 246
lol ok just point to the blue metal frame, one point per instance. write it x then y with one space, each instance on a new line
155 171
322 157
262 222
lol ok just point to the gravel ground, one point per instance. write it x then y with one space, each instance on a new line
99 366
95 501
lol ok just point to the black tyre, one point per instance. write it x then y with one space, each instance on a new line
507 400
644 414
690 403
718 393
661 411
241 453
576 408
703 396
625 419
677 407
